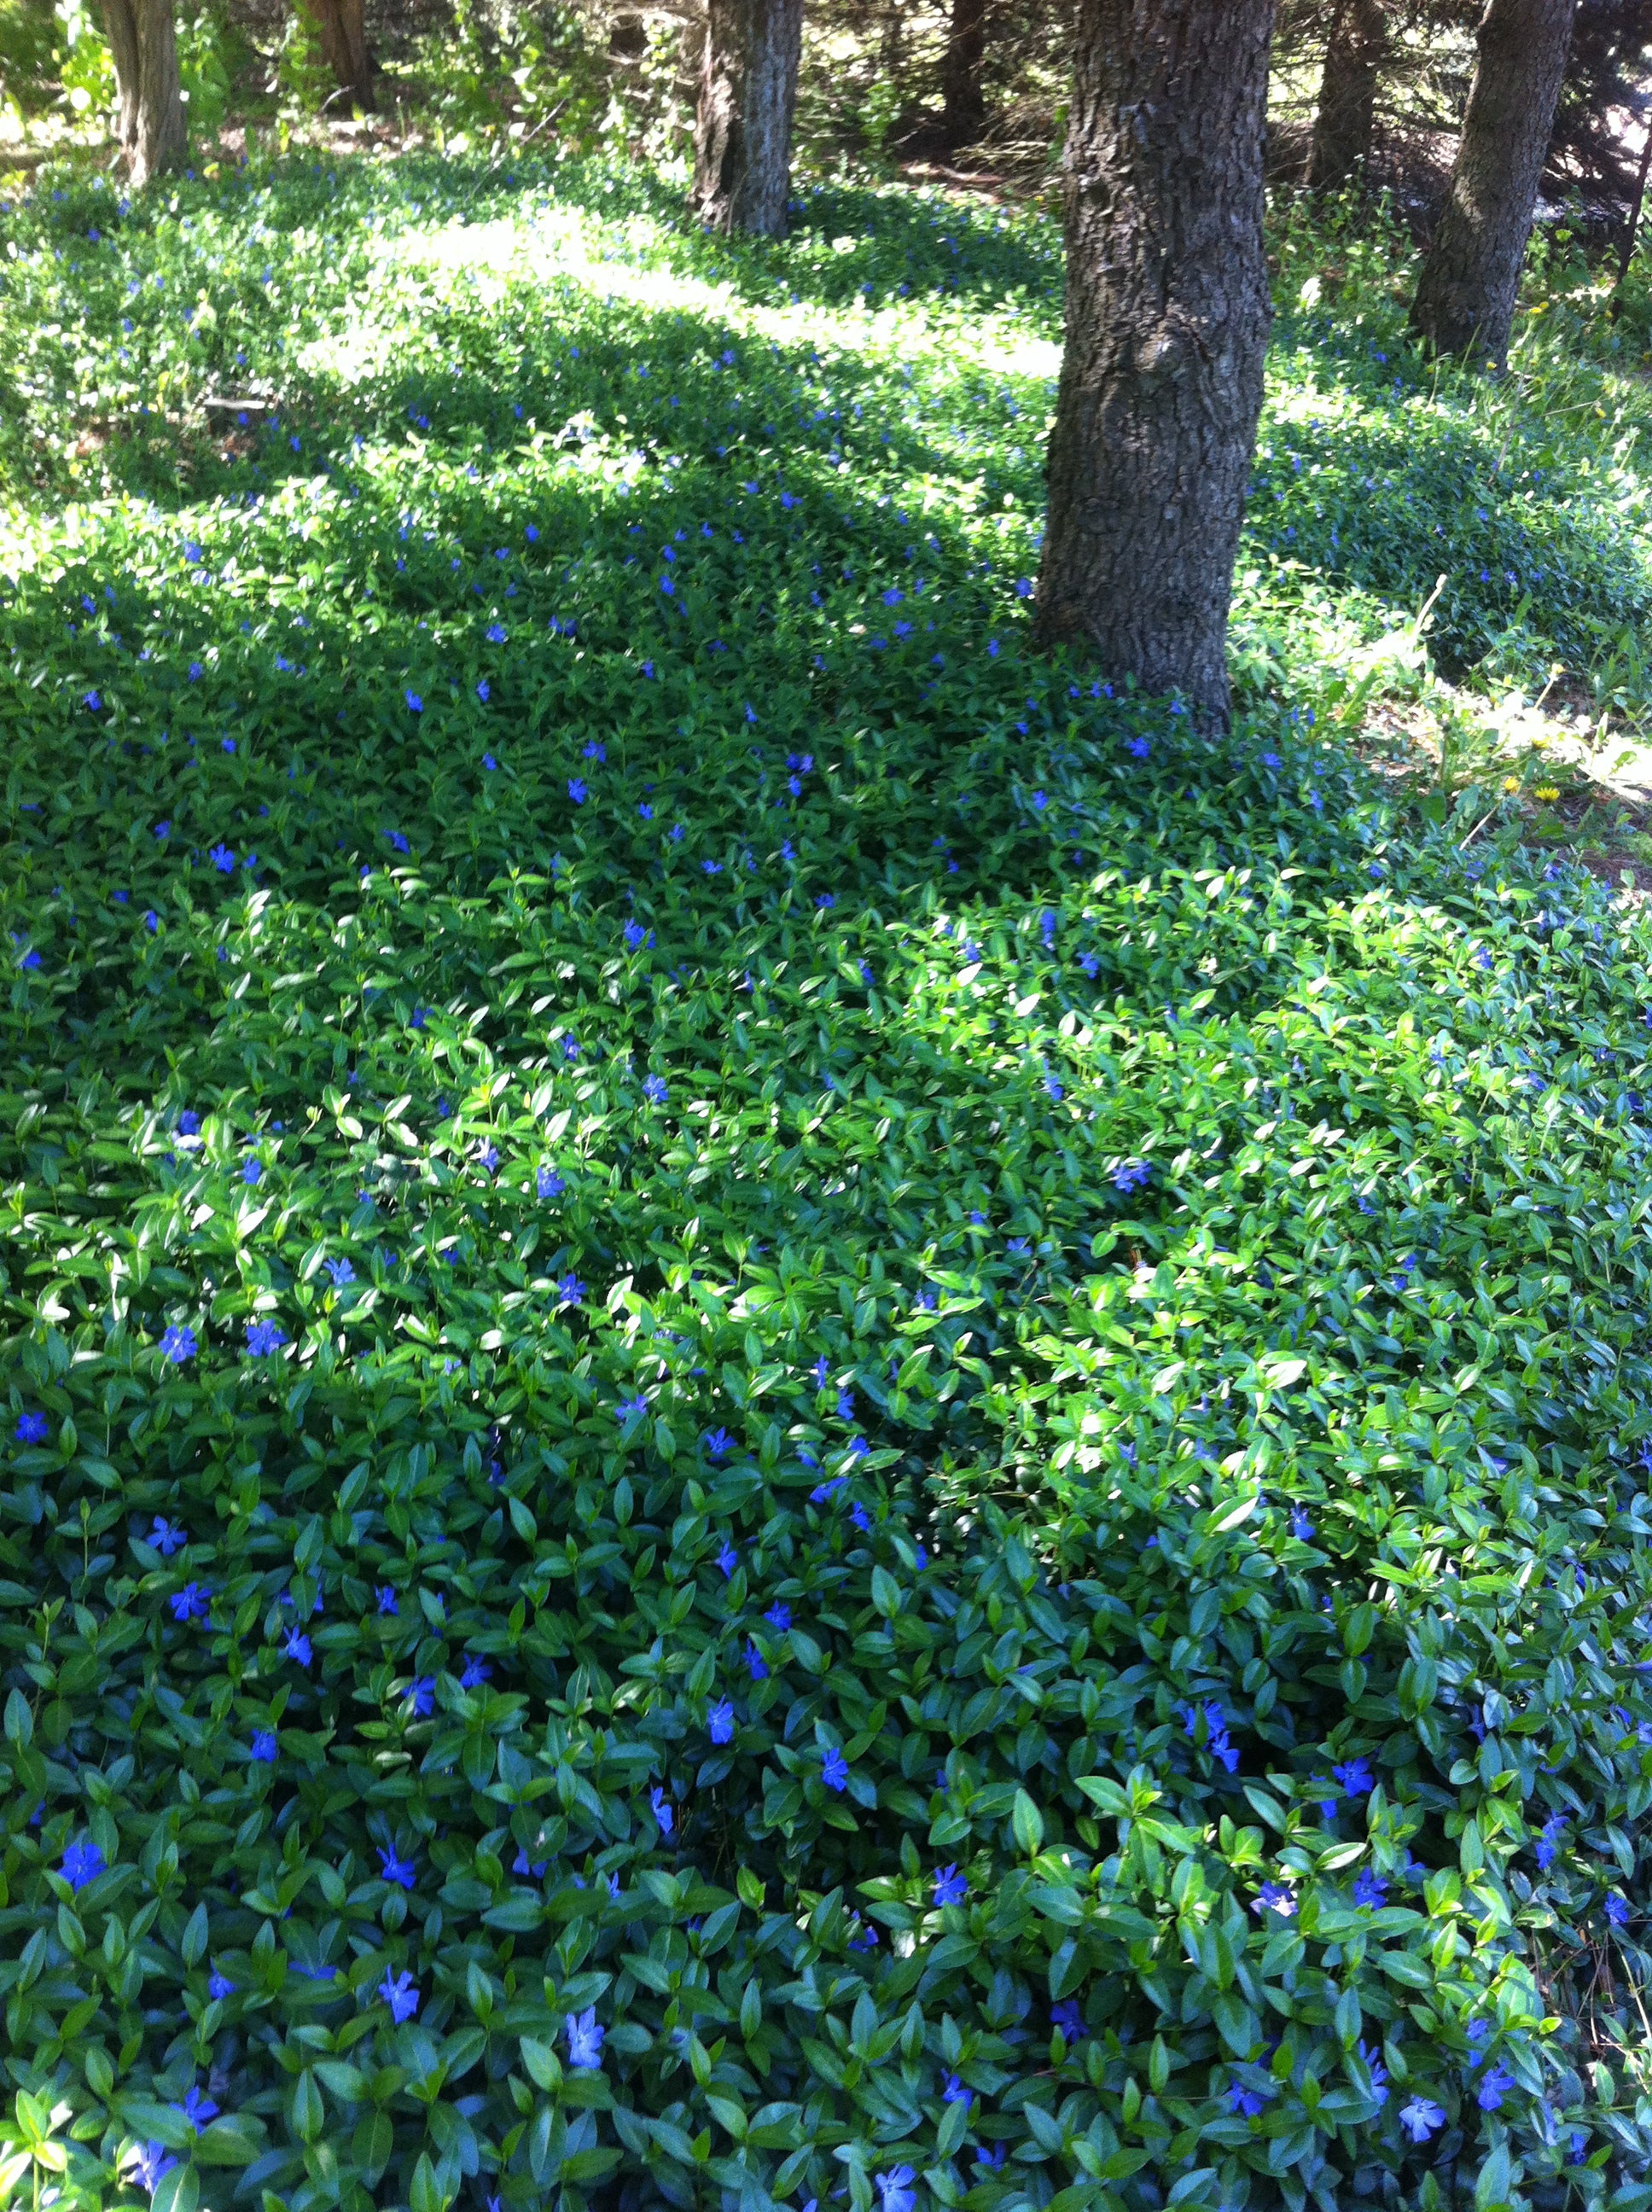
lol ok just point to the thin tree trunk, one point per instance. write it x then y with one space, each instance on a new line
743 129
143 45
1626 251
1347 103
1167 320
1467 292
966 51
342 32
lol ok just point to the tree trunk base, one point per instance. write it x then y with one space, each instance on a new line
965 110
1345 116
1167 321
143 45
1470 281
743 127
341 32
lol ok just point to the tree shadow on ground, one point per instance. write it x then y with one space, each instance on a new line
1371 485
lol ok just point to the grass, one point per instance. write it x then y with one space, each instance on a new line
735 1316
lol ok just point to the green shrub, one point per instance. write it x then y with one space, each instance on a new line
735 1316
30 54
88 68
303 77
204 47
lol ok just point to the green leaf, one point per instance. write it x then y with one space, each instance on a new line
194 1944
177 2191
593 2164
230 2141
517 1915
728 2115
372 2144
540 2063
1493 2183
1235 2023
426 2193
1068 1970
954 2121
307 2110
1028 1823
1281 1373
347 2082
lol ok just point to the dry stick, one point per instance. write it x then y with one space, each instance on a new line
515 146
1627 252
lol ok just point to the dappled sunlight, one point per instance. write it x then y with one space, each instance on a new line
554 244
705 1264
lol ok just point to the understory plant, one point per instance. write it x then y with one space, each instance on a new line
793 1411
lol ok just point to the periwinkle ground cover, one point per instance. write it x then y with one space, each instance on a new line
793 1413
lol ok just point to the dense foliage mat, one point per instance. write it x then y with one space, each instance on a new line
793 1411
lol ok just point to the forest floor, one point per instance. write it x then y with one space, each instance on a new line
611 1084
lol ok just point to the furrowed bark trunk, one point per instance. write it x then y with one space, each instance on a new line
1470 278
143 45
1347 102
965 108
1167 320
343 33
743 128
120 24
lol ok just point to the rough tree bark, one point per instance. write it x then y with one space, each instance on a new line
1465 294
1347 101
143 45
342 32
743 128
1167 320
965 108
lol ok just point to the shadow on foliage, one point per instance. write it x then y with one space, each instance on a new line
704 1240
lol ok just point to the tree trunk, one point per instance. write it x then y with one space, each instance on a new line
1471 274
743 130
1167 320
143 46
1347 102
1626 250
966 51
342 32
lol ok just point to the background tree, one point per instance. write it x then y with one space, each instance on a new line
743 126
1593 157
964 108
342 31
1470 276
1345 116
1632 220
143 46
1167 320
